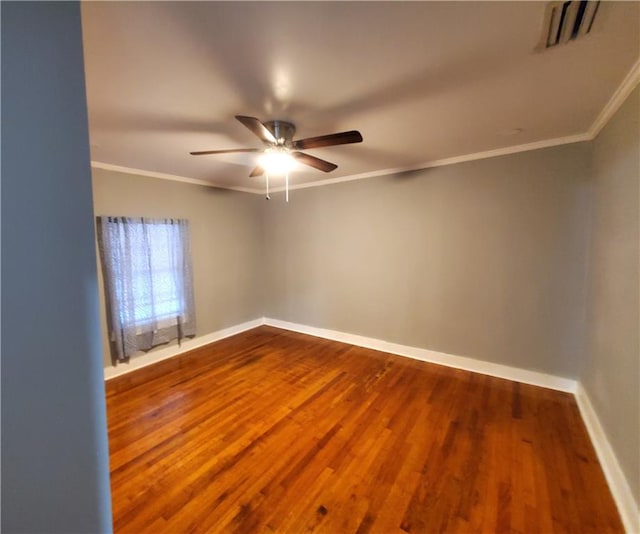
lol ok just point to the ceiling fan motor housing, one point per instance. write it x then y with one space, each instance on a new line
283 131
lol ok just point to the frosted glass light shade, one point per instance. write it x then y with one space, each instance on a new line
276 162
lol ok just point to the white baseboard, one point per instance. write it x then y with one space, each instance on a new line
616 479
449 360
158 355
459 362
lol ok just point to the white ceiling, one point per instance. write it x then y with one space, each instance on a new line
422 81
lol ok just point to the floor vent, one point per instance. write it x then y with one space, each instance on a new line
566 21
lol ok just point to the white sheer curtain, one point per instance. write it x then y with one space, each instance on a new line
148 281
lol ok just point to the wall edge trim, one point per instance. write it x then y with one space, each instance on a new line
465 158
165 176
616 479
465 363
158 355
617 99
448 360
613 104
475 156
622 494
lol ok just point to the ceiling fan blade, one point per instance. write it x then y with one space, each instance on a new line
342 138
258 171
314 162
257 128
230 151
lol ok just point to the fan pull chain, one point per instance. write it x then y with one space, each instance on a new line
286 186
267 175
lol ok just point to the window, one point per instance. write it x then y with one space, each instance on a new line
154 282
148 282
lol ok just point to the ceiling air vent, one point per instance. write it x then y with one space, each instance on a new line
566 21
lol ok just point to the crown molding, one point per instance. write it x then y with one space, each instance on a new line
631 80
165 176
504 151
629 83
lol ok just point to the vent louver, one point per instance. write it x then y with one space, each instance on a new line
566 21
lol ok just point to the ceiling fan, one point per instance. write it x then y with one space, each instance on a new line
281 151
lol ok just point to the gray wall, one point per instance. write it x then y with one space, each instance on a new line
55 473
483 259
226 242
611 375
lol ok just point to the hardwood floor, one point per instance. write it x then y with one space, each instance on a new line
272 431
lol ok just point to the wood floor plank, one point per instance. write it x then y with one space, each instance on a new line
273 431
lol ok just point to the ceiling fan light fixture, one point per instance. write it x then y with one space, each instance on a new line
282 153
276 161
